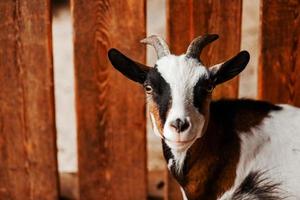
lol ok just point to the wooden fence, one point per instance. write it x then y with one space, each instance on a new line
110 109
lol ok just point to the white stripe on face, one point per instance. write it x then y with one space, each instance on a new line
182 75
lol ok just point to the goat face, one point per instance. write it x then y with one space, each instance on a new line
174 87
179 88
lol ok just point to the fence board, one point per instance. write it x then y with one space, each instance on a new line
110 108
28 165
172 189
279 65
189 19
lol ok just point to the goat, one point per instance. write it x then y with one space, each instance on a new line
225 149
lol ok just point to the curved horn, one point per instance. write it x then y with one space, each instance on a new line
196 46
159 45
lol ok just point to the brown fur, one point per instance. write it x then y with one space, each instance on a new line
211 162
213 168
153 109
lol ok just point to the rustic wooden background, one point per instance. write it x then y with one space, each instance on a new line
28 166
110 109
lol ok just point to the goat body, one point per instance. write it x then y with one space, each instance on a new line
250 151
226 149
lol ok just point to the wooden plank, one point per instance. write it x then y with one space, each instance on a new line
172 188
68 186
28 164
188 19
279 64
156 184
110 109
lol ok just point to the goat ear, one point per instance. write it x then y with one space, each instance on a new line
229 69
129 68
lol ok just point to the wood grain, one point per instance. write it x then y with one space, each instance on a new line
110 108
172 188
279 64
187 19
28 164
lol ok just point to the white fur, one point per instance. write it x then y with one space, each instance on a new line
170 163
179 157
181 74
273 147
183 194
154 126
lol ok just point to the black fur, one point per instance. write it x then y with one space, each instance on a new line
228 118
201 94
161 93
231 68
133 70
257 186
230 105
168 155
240 114
167 151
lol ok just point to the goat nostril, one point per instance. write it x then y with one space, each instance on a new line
180 125
184 126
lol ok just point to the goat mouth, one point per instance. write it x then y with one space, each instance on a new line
180 142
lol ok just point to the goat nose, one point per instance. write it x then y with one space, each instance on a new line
180 125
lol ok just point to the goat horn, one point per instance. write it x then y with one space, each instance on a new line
196 46
159 45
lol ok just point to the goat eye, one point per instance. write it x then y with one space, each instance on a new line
148 89
210 89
